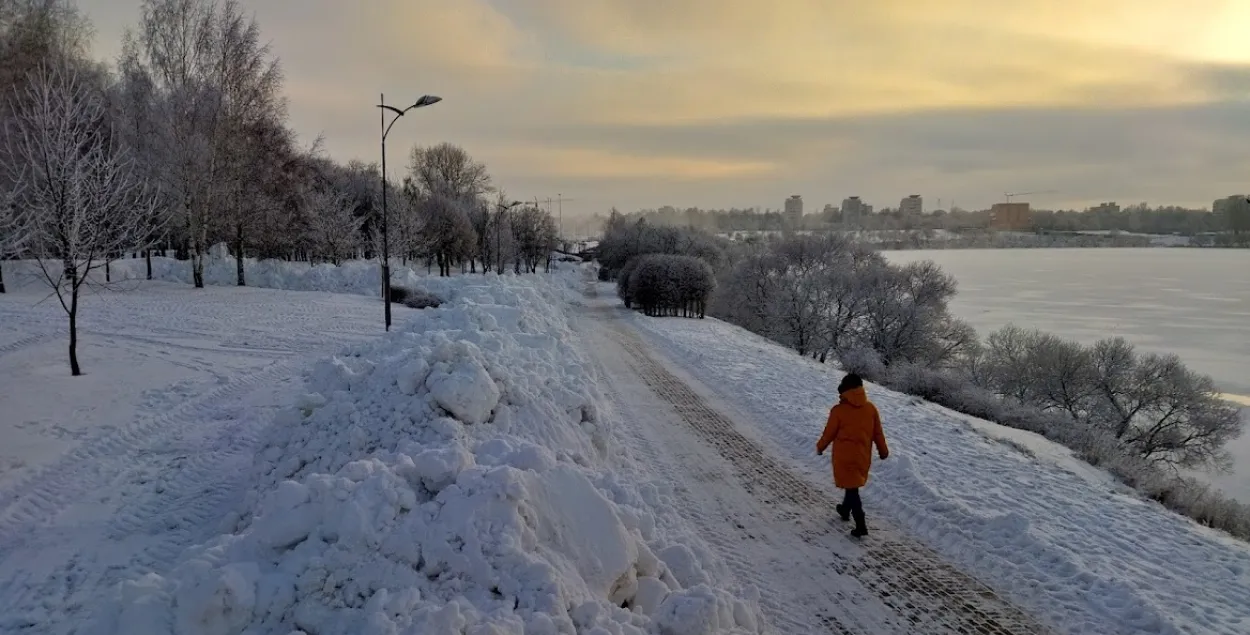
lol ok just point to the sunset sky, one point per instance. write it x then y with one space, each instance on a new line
718 103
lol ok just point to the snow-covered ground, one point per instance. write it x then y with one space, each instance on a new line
1047 531
454 476
528 459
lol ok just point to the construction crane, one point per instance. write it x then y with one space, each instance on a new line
1009 196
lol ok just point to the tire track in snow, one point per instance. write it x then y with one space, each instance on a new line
39 497
909 578
755 546
28 341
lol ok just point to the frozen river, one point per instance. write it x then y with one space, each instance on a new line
1192 302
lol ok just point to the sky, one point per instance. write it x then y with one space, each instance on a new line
741 103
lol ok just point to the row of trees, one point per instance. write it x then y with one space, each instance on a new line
1150 402
1138 218
185 143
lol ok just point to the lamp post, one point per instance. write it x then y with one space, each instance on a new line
503 210
426 100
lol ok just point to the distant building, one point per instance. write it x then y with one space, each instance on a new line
1011 217
1105 208
912 205
853 207
794 208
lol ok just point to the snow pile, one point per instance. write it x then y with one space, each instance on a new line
445 479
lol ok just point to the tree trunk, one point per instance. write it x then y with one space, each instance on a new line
238 254
74 368
2 277
108 269
147 256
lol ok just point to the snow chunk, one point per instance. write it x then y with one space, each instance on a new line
464 389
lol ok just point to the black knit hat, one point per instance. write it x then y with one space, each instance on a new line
850 381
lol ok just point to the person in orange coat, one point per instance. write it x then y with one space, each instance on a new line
853 427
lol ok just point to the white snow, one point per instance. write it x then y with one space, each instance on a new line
1053 534
452 476
268 462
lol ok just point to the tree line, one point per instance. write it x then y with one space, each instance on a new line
185 143
1137 218
1143 416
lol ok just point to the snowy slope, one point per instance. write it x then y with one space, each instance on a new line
1051 533
453 476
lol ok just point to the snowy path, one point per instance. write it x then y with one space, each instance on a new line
113 474
774 527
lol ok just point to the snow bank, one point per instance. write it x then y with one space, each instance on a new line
358 277
448 478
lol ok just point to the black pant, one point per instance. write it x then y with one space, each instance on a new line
852 504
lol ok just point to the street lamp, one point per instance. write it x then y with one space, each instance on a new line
503 209
426 100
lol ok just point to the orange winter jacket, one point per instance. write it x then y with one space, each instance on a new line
854 425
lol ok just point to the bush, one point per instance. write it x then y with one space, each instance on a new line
624 240
422 299
414 298
399 294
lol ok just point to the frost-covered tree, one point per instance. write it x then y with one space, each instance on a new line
82 198
334 224
1158 406
447 169
906 309
667 284
136 105
534 235
205 60
446 235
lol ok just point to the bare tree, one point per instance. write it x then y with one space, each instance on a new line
82 197
447 169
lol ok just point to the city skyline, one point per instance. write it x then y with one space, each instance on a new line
638 104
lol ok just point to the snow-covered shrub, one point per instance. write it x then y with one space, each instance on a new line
665 284
624 240
451 477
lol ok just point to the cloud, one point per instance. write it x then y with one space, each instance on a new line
734 102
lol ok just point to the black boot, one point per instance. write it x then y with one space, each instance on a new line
843 512
861 528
